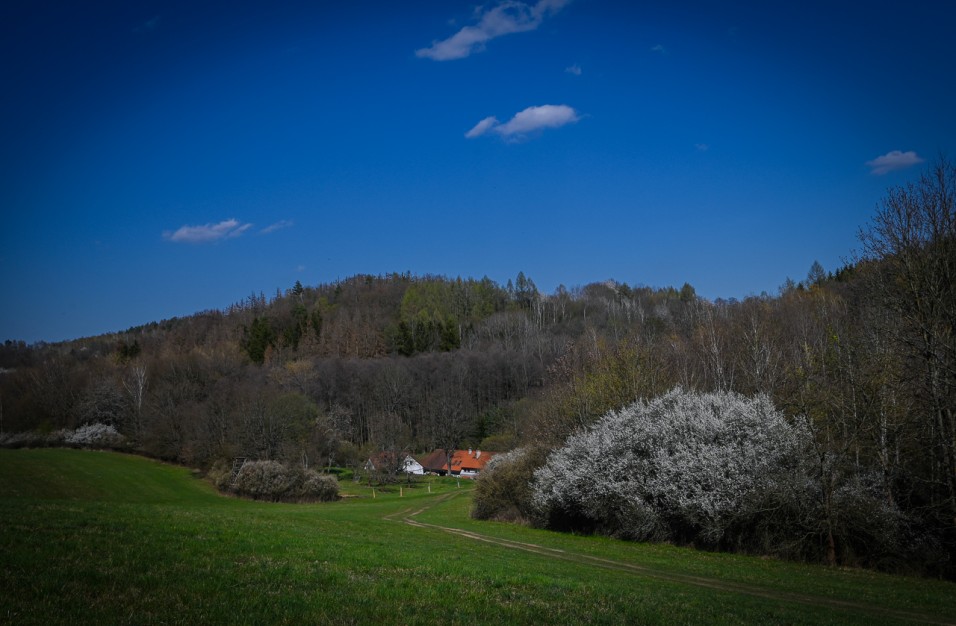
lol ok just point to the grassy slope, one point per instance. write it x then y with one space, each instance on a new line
100 537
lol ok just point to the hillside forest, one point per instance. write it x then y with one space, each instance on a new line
862 358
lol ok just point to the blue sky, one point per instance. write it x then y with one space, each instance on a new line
161 158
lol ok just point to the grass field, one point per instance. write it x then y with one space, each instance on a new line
96 537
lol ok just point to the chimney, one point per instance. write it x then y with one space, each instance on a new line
469 451
477 454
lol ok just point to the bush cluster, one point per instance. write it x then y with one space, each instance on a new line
713 470
684 467
275 482
87 436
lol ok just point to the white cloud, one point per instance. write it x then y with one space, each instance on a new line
573 69
482 127
207 232
659 49
509 16
271 228
892 161
526 121
702 147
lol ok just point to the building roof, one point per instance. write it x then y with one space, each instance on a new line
389 460
461 461
435 461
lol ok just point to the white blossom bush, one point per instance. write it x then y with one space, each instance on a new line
686 466
26 439
271 480
505 458
90 435
93 435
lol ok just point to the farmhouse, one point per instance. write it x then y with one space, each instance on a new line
464 463
392 462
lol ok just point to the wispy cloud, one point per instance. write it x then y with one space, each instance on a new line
702 147
573 69
483 127
206 233
892 161
271 228
505 18
526 121
659 49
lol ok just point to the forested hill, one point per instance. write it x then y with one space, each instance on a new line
383 361
391 361
413 363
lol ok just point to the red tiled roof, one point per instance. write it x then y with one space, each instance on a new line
461 460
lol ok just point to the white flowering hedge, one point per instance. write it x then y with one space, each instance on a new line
687 466
274 481
93 435
87 436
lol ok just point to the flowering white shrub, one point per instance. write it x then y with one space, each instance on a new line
685 466
271 480
505 458
93 435
90 435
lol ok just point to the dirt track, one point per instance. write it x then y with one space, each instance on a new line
407 516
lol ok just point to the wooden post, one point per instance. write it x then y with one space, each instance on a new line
373 492
401 492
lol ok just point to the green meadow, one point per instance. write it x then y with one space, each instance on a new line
98 537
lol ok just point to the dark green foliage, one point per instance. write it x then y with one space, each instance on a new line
435 312
126 351
259 337
296 327
687 293
400 339
315 319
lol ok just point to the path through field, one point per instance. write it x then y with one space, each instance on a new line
407 516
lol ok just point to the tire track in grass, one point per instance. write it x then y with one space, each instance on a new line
407 517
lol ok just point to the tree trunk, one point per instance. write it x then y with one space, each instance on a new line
831 548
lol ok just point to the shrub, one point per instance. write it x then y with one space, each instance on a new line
27 439
687 467
87 436
220 475
273 481
503 489
97 435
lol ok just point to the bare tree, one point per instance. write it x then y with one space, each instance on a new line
913 240
135 382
